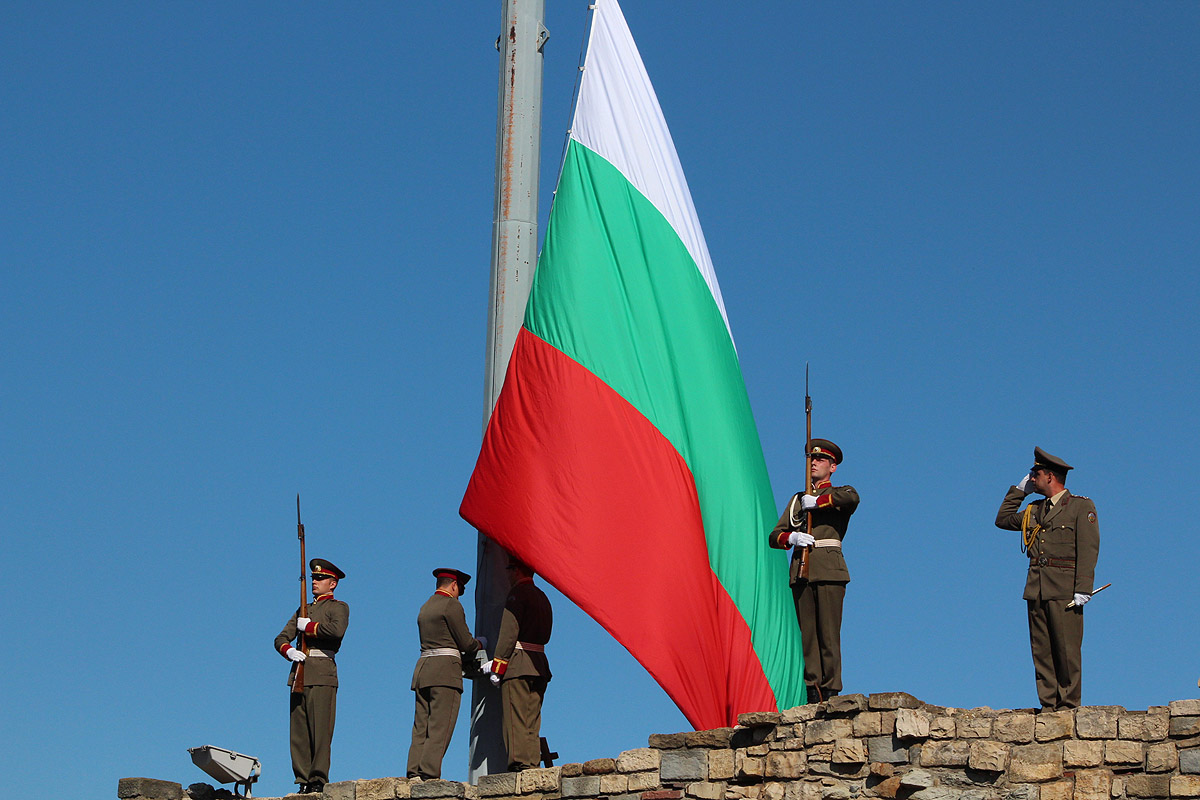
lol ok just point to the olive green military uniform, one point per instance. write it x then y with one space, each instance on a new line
1062 563
437 681
524 671
313 709
819 598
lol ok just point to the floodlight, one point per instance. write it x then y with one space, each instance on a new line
227 766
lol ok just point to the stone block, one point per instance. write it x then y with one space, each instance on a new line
1161 757
953 753
720 765
838 791
438 788
583 786
917 779
1092 784
937 793
341 790
773 791
753 719
1051 725
987 756
1097 722
942 728
888 787
1185 786
785 765
404 790
823 731
683 766
376 789
1124 754
599 766
638 760
611 784
1145 726
868 723
747 737
706 790
547 779
667 741
820 752
748 768
911 723
1189 761
572 770
663 794
974 724
798 714
846 704
1035 763
1015 727
1148 785
643 781
1058 790
888 701
887 749
1078 753
1184 708
717 737
1025 791
495 785
149 789
849 751
980 794
1184 726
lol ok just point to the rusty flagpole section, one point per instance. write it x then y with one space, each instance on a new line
514 257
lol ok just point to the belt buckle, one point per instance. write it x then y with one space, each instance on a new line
1043 561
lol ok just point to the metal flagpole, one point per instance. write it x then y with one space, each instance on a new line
514 256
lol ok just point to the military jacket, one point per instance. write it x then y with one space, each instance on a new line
442 623
527 618
329 620
1062 556
830 519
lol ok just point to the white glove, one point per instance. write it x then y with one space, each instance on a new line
801 539
295 655
495 679
482 642
302 623
1024 484
1081 599
487 667
808 502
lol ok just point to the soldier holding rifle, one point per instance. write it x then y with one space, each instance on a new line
1062 539
814 525
313 707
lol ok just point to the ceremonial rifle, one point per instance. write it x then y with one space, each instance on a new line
1072 604
298 681
807 469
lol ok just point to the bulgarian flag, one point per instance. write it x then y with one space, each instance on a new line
622 461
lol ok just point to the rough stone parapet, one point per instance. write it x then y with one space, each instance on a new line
887 745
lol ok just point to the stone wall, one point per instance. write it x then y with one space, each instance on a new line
887 745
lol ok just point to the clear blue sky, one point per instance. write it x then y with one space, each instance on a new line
244 254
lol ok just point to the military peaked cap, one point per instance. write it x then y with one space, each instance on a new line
824 447
457 574
1043 460
325 569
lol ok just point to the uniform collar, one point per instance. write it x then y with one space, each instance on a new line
823 484
447 594
1053 501
326 596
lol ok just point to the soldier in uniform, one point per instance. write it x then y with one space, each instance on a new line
819 597
314 707
520 667
438 676
1062 538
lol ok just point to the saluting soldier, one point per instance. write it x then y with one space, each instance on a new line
520 666
1062 538
438 676
314 708
819 597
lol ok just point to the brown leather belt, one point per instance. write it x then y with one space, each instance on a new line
1046 561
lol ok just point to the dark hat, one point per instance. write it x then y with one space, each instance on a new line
1043 460
325 569
824 447
457 574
